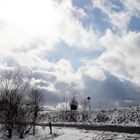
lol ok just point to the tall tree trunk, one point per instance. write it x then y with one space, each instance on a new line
10 133
34 129
34 122
21 136
50 126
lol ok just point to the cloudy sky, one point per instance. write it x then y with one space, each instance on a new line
91 47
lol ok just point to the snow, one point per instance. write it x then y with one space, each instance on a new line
129 116
120 116
62 133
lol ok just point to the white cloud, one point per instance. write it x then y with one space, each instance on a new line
92 71
132 6
31 30
119 19
56 21
122 55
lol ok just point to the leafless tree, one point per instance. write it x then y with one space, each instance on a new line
84 112
30 113
36 101
12 93
23 119
20 104
64 108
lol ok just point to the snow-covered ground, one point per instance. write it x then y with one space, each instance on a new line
61 133
121 116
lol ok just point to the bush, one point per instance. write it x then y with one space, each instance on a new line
101 117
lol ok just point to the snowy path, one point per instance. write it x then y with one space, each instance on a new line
62 133
76 134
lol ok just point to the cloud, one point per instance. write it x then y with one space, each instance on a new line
122 55
109 65
54 20
92 72
95 82
133 7
110 91
118 13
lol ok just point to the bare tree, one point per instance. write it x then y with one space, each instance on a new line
23 119
20 104
29 113
36 101
85 112
12 92
64 108
9 107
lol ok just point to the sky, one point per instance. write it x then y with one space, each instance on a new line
88 47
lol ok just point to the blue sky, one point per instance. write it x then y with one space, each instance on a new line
90 46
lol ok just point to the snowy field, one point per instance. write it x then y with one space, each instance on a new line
121 116
60 133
